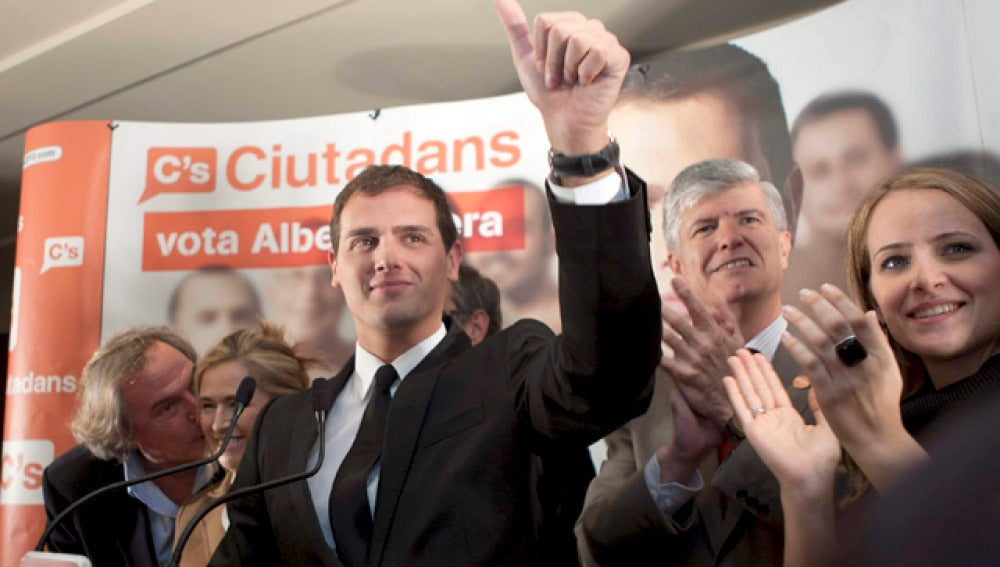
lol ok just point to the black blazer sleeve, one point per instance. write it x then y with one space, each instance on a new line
610 308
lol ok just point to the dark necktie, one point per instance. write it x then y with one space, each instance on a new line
350 513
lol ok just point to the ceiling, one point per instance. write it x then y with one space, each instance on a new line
235 60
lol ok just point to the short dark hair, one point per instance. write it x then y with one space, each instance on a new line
378 179
739 77
839 101
211 270
475 291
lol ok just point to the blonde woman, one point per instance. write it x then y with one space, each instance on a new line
279 368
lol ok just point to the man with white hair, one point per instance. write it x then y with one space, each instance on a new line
136 416
678 484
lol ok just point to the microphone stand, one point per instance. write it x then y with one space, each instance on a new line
244 393
320 410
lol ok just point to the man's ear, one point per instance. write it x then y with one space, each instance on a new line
784 247
793 194
674 263
454 259
477 326
332 260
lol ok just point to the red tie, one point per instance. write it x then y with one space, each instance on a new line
728 444
724 448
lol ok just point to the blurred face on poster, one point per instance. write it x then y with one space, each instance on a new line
208 305
842 155
660 138
524 276
302 301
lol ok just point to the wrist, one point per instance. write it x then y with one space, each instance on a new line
675 466
571 170
578 139
814 488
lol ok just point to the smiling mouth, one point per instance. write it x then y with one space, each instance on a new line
389 286
741 263
936 310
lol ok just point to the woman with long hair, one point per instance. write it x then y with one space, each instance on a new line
922 342
278 368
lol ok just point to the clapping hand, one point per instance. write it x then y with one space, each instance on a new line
802 456
856 381
700 347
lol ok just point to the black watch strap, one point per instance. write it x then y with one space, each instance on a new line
586 165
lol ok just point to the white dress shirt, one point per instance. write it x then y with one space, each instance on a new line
162 510
344 420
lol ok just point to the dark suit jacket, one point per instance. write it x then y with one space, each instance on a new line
112 529
455 470
559 487
621 525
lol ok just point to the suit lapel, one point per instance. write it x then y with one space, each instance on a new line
303 437
406 418
709 506
731 519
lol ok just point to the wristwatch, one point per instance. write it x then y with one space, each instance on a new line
586 165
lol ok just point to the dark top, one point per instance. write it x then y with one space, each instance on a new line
928 405
112 529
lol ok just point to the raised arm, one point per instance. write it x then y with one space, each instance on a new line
572 69
598 374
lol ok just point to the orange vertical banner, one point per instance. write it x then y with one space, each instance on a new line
56 314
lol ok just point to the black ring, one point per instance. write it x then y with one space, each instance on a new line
850 351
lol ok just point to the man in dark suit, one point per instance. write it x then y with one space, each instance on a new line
559 477
137 415
678 485
450 484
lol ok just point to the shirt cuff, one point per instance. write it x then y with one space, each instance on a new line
669 497
607 189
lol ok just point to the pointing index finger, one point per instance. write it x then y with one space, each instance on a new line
515 25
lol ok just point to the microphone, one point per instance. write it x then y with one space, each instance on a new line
244 393
322 399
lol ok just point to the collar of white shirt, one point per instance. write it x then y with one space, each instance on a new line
366 363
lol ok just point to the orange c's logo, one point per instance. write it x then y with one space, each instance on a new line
179 170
